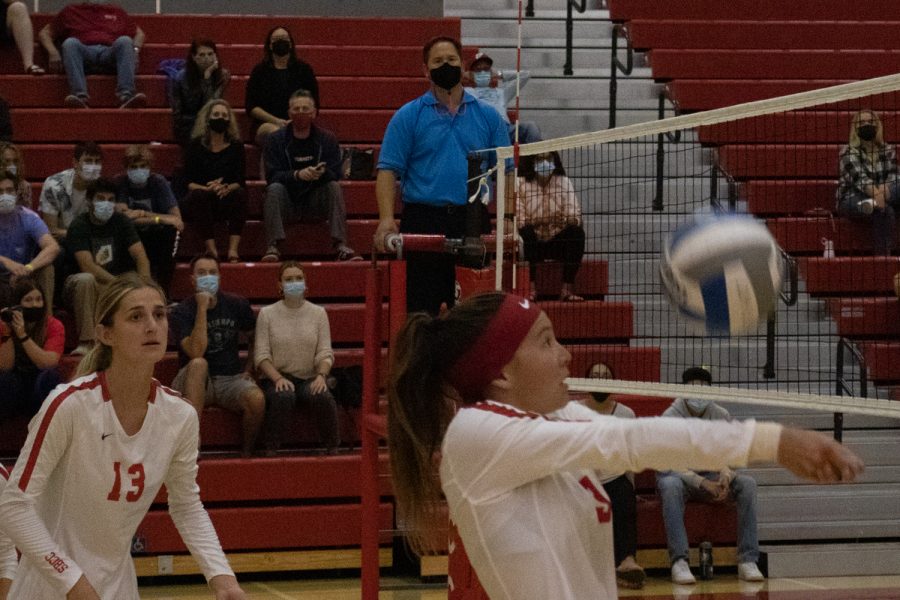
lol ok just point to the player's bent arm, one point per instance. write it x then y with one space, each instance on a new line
190 518
27 483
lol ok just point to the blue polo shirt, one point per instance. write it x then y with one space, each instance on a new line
20 234
427 147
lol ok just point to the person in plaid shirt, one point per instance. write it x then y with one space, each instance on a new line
868 186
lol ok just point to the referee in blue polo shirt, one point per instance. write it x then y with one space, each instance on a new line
426 146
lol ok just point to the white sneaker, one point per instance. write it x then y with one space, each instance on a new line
866 206
748 571
82 348
681 573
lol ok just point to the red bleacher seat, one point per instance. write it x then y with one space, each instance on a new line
792 161
773 64
805 234
706 94
798 127
792 196
872 10
849 275
866 317
883 360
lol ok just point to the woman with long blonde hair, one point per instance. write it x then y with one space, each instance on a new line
479 416
868 187
95 458
214 167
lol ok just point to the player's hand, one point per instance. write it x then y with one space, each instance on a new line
817 457
82 590
226 587
385 228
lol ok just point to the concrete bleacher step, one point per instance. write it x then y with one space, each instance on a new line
508 10
570 121
542 92
636 158
831 560
536 31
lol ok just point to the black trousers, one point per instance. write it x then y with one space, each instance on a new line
431 276
624 512
567 247
159 243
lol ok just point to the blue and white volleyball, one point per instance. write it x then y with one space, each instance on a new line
723 272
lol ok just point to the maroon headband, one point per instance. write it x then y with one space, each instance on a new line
495 347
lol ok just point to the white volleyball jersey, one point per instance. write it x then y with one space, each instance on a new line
81 487
524 490
8 558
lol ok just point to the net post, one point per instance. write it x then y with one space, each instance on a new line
501 219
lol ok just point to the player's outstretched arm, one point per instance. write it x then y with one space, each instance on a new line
82 590
817 457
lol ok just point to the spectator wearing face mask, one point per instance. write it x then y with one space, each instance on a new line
620 489
64 194
498 88
675 487
202 79
105 244
303 166
214 170
11 161
272 82
26 247
147 199
868 188
550 218
294 357
31 343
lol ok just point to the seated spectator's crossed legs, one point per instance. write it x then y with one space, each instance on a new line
80 293
121 55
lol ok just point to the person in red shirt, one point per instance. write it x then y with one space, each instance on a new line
32 343
99 36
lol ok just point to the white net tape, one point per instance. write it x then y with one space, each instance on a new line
843 404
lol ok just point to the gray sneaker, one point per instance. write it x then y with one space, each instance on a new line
73 101
133 101
866 206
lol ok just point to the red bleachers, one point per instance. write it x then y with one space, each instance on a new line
872 275
866 317
883 360
705 94
753 10
760 34
793 196
805 234
799 127
791 161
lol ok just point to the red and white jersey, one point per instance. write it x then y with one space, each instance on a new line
524 490
81 487
8 558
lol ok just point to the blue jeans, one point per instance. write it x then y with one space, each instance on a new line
883 220
675 493
99 58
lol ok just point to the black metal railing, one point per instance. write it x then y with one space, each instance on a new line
570 25
841 384
616 67
673 137
790 299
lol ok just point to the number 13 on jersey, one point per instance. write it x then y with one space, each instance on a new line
134 483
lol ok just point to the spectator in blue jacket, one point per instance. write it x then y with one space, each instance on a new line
498 88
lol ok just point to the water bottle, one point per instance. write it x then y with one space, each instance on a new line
829 248
706 561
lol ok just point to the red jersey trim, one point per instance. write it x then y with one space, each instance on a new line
45 424
506 411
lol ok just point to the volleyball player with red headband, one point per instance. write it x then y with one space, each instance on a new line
481 392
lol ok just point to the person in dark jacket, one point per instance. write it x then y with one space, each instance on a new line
273 81
303 166
201 80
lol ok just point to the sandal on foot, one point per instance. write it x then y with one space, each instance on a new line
34 70
234 258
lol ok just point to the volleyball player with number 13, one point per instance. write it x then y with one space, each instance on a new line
96 455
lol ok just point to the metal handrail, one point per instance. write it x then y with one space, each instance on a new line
789 299
658 204
841 385
570 20
793 279
616 66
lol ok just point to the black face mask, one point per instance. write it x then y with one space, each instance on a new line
218 125
446 76
32 314
600 396
866 132
281 47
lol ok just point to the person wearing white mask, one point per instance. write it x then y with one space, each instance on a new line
146 198
63 195
550 219
293 355
11 160
207 327
26 246
104 244
676 487
498 88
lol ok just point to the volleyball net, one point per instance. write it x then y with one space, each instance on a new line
836 327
